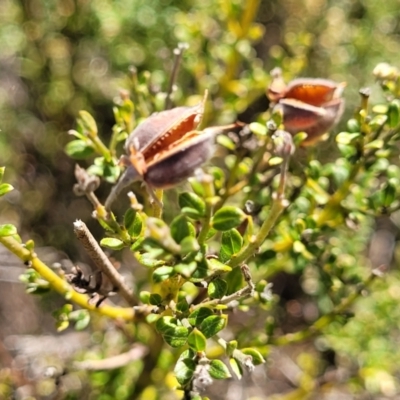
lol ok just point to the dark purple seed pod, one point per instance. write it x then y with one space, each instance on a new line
181 161
166 149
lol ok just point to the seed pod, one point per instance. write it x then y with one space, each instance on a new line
166 149
309 105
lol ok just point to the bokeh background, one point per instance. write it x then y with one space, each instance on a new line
59 57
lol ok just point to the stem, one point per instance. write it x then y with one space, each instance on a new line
178 52
205 228
102 262
279 203
60 285
101 148
157 203
240 294
325 320
209 195
118 361
330 211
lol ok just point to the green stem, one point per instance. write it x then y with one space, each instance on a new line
206 226
330 211
60 285
279 203
325 320
157 203
101 148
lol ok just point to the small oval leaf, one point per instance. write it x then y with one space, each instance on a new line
212 325
228 217
217 288
197 341
7 230
79 149
112 243
231 243
180 228
162 273
5 188
176 336
199 315
193 205
184 370
218 370
255 355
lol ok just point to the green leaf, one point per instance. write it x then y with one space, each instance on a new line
184 370
394 113
255 354
199 315
5 188
189 244
163 273
133 223
217 266
218 370
147 260
186 270
144 297
2 169
212 325
180 228
197 341
258 129
217 288
231 243
236 368
192 205
347 138
112 243
228 217
87 122
165 323
7 230
155 299
234 280
226 142
82 318
79 149
182 305
176 336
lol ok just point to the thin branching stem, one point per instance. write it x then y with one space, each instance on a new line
102 261
326 319
60 285
279 203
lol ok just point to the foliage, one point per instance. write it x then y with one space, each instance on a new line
267 204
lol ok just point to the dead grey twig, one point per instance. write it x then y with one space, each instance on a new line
102 262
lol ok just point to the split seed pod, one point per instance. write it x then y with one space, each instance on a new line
308 105
165 149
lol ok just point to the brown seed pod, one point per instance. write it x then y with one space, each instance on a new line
166 149
308 105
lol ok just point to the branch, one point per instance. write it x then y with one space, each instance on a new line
136 353
60 285
102 262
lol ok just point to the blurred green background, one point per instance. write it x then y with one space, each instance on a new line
59 57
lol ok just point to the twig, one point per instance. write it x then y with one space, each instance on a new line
323 321
178 52
136 353
102 262
279 203
240 294
60 285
